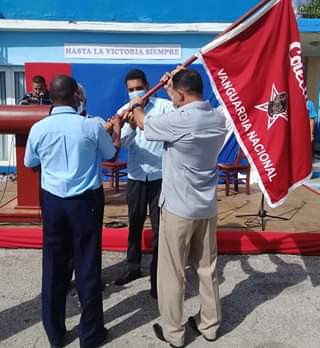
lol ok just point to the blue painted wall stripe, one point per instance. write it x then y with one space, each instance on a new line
165 11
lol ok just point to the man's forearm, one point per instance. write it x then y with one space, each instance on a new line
116 135
116 138
138 115
312 124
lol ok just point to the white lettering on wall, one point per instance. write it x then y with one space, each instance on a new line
117 51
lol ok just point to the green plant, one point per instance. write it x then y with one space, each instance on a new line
310 10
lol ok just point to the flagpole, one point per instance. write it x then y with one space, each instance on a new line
193 58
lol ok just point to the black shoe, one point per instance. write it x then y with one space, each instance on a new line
159 333
100 343
192 323
67 338
128 277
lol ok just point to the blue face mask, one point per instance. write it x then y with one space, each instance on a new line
134 94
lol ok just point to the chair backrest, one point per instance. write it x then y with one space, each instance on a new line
229 151
241 159
116 156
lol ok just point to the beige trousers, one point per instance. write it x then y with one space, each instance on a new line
179 239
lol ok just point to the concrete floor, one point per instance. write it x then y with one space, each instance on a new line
268 301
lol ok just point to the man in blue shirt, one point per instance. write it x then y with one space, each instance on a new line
144 179
315 128
193 135
69 149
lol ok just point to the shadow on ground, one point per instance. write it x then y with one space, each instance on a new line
139 309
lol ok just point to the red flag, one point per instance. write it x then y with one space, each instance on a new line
256 70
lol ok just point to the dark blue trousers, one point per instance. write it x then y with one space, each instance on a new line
72 239
140 195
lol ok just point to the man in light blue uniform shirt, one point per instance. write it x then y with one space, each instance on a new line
315 128
193 135
144 180
69 149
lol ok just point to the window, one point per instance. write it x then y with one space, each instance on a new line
19 86
12 89
2 87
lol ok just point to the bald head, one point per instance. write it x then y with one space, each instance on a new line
63 91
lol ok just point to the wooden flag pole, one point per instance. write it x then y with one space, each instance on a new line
194 57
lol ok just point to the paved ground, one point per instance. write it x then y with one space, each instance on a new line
268 301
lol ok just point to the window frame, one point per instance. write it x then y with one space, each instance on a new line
10 100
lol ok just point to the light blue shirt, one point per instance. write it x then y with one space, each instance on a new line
311 109
144 157
69 148
313 115
193 136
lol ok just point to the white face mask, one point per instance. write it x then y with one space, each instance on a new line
81 107
134 94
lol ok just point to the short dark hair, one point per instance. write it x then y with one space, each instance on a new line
136 74
62 88
39 79
189 81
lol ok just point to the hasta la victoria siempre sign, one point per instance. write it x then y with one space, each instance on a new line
122 51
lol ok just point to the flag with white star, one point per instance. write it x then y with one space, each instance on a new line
256 70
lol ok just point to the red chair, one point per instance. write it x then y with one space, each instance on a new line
114 171
229 173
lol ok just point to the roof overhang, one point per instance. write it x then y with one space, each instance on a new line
112 27
310 36
309 28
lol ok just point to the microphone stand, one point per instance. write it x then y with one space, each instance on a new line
262 214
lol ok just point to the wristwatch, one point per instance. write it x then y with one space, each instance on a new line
136 105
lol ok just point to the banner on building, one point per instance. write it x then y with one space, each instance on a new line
122 51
